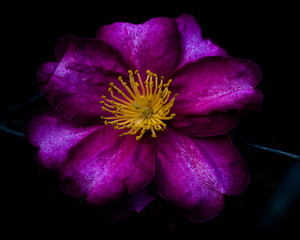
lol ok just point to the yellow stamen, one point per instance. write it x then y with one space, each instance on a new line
142 108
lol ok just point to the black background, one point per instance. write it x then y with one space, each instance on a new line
31 202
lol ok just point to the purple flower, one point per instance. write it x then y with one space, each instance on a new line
112 131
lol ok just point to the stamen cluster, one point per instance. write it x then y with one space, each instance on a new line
142 108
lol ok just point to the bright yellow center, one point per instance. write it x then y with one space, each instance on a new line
142 108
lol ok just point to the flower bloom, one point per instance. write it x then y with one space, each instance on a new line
144 110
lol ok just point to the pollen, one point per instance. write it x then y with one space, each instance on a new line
142 107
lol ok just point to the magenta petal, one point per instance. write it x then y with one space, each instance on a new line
205 126
153 45
81 78
213 93
194 46
62 46
129 205
54 136
45 72
105 167
194 173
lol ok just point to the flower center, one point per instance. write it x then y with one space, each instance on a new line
142 108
